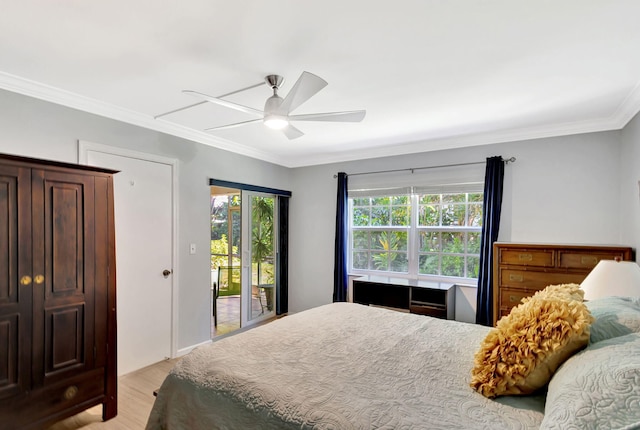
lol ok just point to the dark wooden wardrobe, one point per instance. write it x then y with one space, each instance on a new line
57 291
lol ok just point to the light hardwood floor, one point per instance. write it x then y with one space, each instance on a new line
135 392
135 399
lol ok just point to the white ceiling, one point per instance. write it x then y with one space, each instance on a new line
432 74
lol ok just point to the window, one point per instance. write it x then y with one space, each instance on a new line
380 233
416 233
448 229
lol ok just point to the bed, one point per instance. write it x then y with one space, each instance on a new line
348 366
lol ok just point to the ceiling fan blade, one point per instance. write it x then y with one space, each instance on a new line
225 103
291 132
237 124
350 116
305 87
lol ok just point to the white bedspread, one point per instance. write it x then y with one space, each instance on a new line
339 366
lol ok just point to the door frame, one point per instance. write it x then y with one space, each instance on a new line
84 147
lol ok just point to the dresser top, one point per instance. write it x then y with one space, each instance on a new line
559 245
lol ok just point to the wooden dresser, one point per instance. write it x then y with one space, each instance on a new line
57 292
522 269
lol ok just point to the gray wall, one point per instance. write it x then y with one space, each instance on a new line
629 214
560 190
576 189
40 129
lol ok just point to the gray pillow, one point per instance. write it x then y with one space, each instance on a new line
598 388
615 316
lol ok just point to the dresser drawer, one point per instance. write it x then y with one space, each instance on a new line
536 280
521 269
527 257
510 298
503 313
586 261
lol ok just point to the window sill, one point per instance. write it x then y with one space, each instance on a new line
439 279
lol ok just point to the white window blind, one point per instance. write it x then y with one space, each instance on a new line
436 180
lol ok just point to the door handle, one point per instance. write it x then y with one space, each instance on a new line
166 273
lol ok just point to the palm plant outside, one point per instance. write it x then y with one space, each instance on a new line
444 248
262 241
262 249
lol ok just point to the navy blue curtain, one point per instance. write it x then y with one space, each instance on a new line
493 181
340 274
282 283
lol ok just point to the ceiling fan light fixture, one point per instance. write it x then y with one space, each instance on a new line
276 122
277 111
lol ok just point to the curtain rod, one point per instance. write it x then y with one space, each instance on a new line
412 169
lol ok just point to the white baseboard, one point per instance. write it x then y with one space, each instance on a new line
185 351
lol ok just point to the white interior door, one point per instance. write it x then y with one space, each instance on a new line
259 251
143 220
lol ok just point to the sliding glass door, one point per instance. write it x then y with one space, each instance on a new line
259 256
249 250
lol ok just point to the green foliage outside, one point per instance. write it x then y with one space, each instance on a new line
262 239
219 249
221 215
440 252
388 258
225 210
222 212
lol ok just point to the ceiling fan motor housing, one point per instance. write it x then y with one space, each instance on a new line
274 81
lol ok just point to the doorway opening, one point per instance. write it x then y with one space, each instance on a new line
243 272
249 236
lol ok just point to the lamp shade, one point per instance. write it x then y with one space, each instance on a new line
612 278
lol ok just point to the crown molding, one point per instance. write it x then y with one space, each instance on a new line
625 112
461 141
58 96
629 107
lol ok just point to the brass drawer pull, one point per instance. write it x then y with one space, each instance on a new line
591 260
516 278
525 257
514 299
39 279
70 392
25 280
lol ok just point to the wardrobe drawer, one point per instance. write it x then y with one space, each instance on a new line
72 391
44 405
586 261
527 257
536 280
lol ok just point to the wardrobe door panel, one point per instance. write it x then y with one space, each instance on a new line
64 248
63 341
9 356
15 280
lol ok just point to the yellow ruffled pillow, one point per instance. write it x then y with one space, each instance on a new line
522 352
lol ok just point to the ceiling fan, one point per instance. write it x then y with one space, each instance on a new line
277 111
